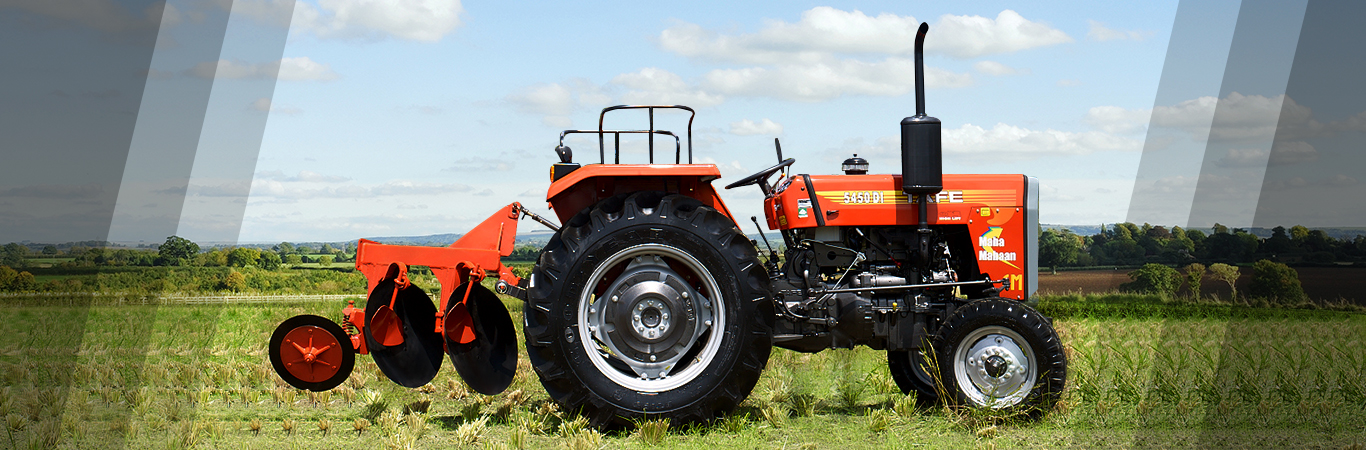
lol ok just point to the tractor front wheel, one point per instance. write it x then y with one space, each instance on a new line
1000 353
649 304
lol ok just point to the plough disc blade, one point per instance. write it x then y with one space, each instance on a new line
488 362
416 358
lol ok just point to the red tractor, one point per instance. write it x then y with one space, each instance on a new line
650 300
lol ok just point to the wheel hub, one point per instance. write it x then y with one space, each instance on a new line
649 318
995 364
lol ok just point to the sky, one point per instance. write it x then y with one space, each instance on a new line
415 118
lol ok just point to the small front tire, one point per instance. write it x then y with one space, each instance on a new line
1001 354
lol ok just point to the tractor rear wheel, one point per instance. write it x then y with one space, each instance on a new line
649 303
1000 353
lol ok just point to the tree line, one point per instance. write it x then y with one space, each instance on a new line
180 252
1130 244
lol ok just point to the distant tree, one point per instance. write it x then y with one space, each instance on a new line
327 248
212 258
13 255
303 249
294 259
1227 274
270 260
7 277
1276 282
1279 242
1058 248
234 281
243 257
1318 241
284 248
1299 233
50 250
1159 232
325 260
176 251
25 282
1153 279
1195 275
1180 242
1124 251
1220 229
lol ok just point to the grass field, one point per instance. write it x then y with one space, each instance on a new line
178 376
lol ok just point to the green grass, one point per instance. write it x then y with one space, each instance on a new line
199 376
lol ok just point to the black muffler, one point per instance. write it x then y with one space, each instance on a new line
922 154
922 161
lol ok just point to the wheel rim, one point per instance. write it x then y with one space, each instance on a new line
311 354
994 367
651 330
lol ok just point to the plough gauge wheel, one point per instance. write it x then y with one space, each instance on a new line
311 352
417 357
489 362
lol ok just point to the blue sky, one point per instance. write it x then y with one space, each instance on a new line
404 121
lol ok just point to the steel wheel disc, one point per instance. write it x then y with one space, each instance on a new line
651 332
488 363
416 361
995 367
311 352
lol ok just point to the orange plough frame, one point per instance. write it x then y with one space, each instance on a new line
471 258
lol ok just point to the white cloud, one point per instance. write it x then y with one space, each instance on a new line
303 176
555 102
823 81
417 20
973 36
656 86
287 69
292 190
266 105
997 69
502 162
825 31
1013 142
748 127
1001 142
1099 32
1117 120
1281 154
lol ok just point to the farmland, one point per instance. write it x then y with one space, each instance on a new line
1320 283
176 376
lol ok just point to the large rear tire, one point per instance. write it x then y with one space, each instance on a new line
649 304
1001 354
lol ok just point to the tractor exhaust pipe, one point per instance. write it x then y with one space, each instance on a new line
922 159
922 167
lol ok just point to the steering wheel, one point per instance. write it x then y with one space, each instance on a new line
762 175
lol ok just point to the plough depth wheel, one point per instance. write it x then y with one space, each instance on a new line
311 352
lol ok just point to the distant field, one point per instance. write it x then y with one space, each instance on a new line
198 377
1322 283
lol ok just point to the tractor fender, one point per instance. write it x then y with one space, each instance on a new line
585 186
